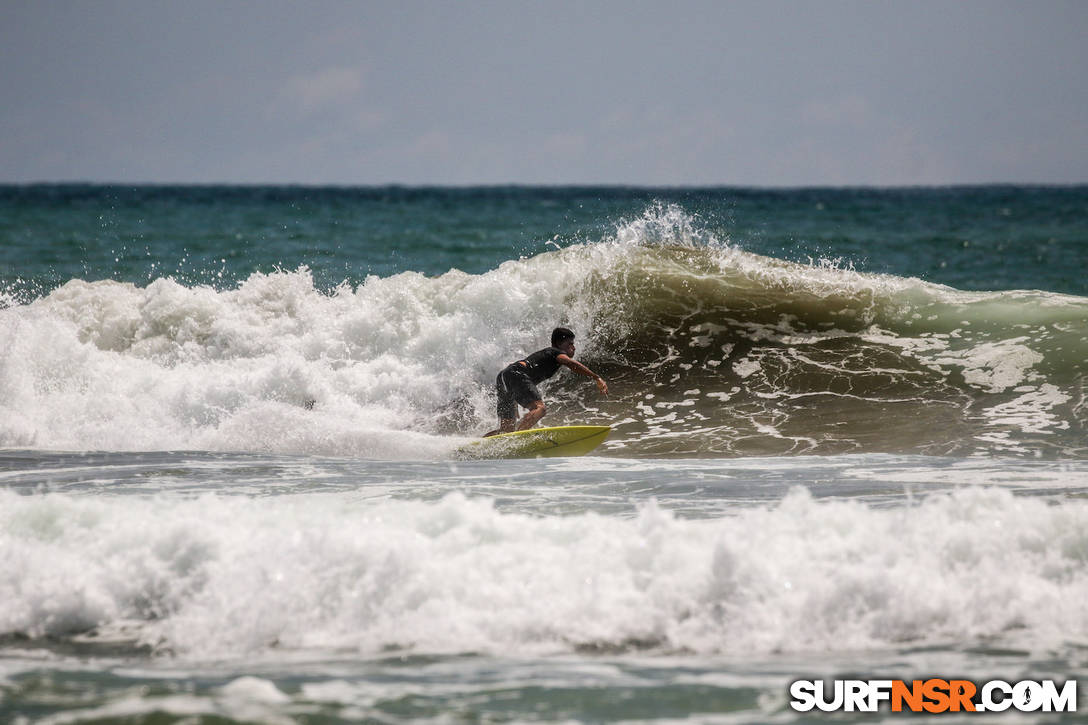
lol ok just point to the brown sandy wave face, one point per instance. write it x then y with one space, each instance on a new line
719 352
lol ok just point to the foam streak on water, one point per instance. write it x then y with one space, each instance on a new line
293 581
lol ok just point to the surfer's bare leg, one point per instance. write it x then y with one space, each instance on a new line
536 412
506 425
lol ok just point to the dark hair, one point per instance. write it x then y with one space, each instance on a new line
561 335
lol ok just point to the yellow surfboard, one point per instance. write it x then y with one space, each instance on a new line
565 440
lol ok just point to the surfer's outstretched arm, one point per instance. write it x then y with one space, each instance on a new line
583 370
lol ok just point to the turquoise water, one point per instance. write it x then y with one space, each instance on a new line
850 438
971 238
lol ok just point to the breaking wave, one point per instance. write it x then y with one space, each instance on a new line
229 576
709 350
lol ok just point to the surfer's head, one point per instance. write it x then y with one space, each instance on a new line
563 339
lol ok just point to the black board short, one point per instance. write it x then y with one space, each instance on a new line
514 388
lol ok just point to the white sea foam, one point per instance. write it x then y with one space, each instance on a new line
112 366
236 576
109 365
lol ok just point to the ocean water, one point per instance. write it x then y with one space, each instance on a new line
849 441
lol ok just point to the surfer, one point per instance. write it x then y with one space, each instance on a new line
516 384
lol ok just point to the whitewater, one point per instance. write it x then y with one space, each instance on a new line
232 495
716 351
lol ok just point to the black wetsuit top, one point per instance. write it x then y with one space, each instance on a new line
516 384
541 365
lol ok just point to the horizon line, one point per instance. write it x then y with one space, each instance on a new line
530 185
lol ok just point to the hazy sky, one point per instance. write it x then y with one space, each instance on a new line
670 92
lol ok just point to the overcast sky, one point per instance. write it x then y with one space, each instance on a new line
669 92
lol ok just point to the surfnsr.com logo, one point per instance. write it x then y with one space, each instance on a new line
933 696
